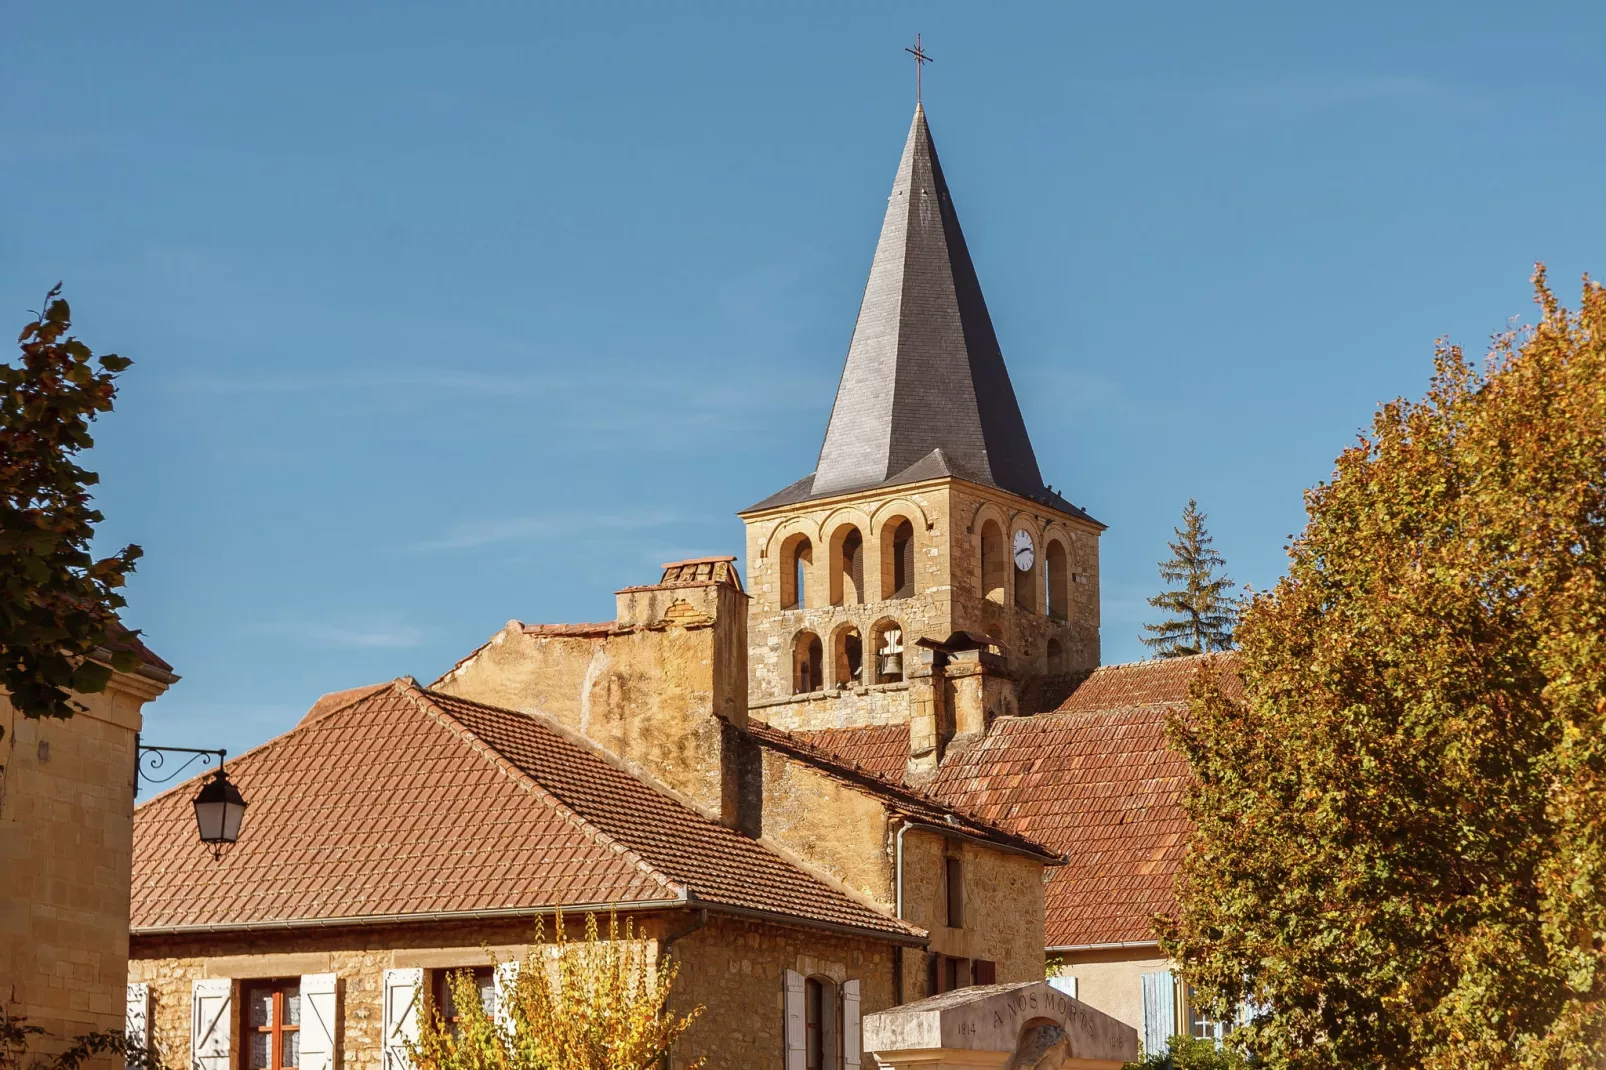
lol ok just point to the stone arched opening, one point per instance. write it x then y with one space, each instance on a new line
847 566
1057 579
992 561
898 558
887 641
808 664
847 657
797 558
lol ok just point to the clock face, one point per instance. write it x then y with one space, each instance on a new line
1023 550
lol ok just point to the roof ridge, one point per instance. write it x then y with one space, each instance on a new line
826 757
652 783
424 700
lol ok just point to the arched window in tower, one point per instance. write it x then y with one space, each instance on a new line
887 641
848 651
992 561
847 574
1057 579
897 558
1056 657
808 664
1023 557
797 556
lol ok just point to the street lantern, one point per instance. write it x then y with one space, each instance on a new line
219 809
219 806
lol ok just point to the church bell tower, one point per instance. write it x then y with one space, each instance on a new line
925 534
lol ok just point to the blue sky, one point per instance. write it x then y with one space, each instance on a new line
446 314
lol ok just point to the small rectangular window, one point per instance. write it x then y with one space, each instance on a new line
956 893
484 981
272 1026
984 972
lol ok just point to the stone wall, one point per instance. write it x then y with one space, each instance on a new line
735 970
852 708
66 851
656 688
1004 908
835 828
947 516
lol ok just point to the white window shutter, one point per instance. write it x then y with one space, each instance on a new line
137 1017
852 1028
506 976
795 1053
1064 983
320 1014
211 1022
1159 1011
401 996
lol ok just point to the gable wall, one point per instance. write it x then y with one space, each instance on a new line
66 851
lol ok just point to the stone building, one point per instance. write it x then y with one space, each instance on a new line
66 828
890 767
400 832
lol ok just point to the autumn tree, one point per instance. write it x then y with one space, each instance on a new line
58 604
595 1005
1400 847
1201 607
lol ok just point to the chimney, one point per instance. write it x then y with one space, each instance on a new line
959 688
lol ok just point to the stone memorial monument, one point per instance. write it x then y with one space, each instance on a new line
1026 1026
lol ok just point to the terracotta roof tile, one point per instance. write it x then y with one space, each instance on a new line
882 750
1096 780
409 802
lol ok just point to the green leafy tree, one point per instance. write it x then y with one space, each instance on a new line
58 605
1202 610
1191 1053
596 1005
1400 845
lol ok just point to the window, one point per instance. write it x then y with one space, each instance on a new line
808 664
849 658
898 559
888 652
847 579
820 1025
992 562
484 980
984 972
272 1025
1057 579
797 554
956 892
1199 1026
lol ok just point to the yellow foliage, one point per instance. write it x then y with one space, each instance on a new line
595 1005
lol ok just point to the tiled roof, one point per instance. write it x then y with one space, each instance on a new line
407 802
900 799
1096 780
879 749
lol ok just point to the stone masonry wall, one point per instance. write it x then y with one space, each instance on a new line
947 516
735 970
66 850
1004 908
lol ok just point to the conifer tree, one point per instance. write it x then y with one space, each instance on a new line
1202 613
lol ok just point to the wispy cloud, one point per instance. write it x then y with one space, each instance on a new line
486 532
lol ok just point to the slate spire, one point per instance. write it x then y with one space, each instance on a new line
925 391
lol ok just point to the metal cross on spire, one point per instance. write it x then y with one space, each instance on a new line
921 59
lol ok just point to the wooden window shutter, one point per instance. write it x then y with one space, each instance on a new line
1064 983
211 1023
1159 1011
137 1017
505 978
984 971
320 1017
852 1026
403 989
795 1053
